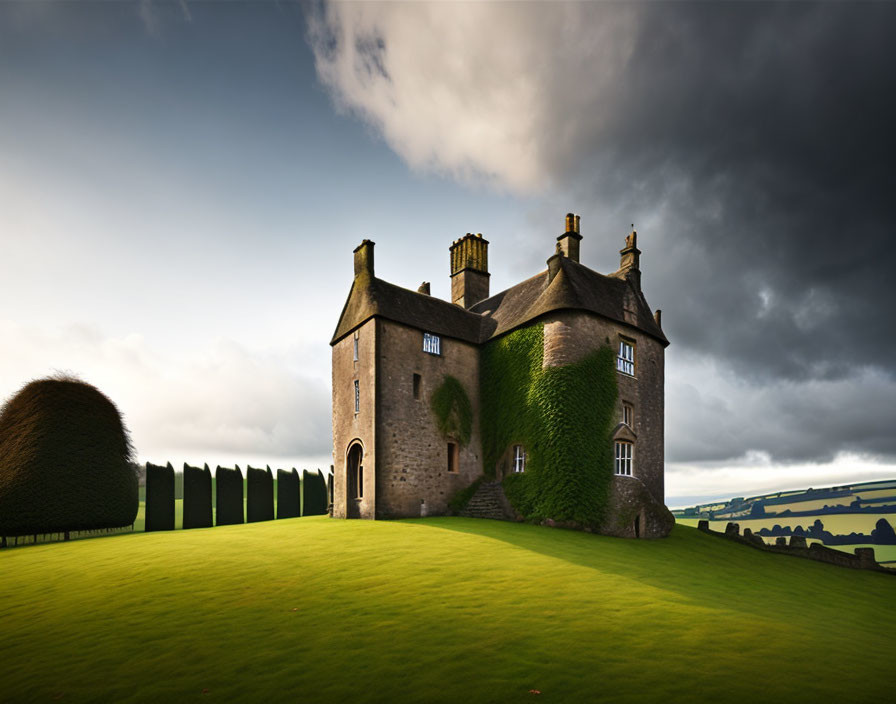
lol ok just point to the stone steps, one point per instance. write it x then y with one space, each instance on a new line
486 502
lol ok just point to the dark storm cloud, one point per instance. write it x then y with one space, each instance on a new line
768 133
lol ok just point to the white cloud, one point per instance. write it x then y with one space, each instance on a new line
222 404
149 16
497 92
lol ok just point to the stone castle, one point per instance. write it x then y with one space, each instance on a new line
393 347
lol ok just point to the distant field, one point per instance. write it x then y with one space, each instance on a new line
883 553
436 610
812 505
838 524
878 494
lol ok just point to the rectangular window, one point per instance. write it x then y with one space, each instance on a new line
625 360
624 458
452 457
357 396
416 386
628 414
519 459
432 343
355 348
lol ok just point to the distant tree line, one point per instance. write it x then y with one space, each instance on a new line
882 534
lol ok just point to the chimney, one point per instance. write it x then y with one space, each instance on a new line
554 263
364 258
630 258
424 288
569 240
469 270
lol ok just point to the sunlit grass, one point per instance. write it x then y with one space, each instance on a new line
443 609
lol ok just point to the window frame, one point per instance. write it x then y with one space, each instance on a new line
519 459
453 457
628 414
357 396
626 364
355 347
624 458
432 344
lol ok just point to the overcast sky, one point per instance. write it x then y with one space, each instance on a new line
182 185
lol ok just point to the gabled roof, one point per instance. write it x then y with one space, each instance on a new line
574 287
371 296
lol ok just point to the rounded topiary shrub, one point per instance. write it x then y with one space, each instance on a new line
64 460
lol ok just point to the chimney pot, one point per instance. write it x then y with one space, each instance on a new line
630 258
469 270
364 258
568 242
424 288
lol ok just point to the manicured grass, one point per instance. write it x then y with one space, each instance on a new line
440 609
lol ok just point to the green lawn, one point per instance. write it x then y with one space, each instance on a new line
440 609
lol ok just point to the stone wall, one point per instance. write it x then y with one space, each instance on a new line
412 456
569 336
863 558
634 512
350 427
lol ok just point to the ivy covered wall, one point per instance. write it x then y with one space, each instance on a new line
563 416
453 410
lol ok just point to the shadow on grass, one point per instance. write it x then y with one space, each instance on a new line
693 566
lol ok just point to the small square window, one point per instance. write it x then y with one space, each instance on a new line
416 386
625 360
432 344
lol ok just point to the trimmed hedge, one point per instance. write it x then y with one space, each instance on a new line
197 497
260 495
288 498
159 497
314 494
64 460
228 496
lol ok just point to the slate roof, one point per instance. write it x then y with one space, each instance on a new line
575 287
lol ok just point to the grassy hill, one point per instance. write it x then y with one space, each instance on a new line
441 609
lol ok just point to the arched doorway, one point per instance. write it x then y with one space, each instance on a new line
355 480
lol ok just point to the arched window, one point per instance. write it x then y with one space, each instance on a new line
624 457
356 472
519 459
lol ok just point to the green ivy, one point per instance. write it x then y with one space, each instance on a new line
453 410
563 416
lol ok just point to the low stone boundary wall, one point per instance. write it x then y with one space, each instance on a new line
862 559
